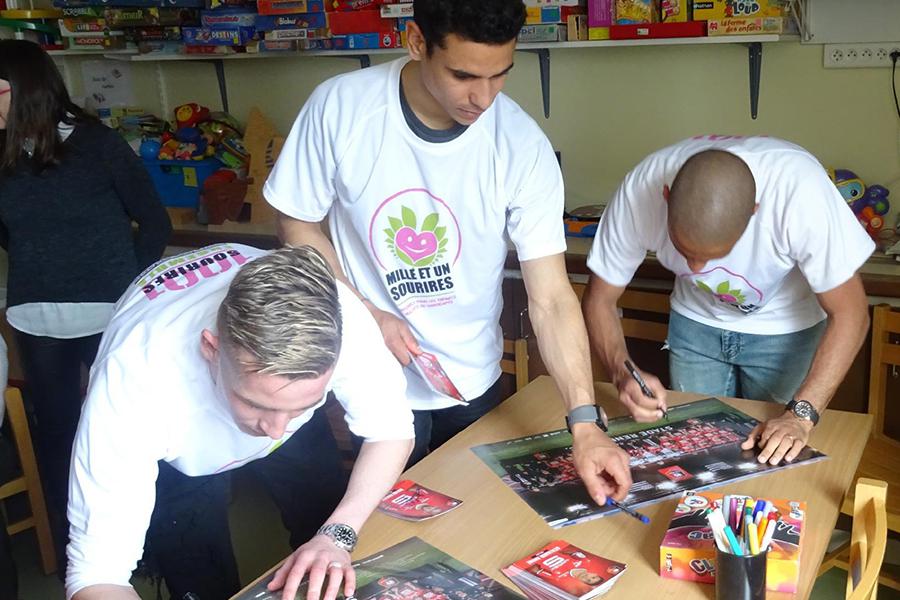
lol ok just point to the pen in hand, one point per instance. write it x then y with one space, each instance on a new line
644 387
628 511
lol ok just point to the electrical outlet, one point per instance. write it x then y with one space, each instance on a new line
862 55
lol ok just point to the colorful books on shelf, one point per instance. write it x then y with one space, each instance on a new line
688 548
413 502
562 571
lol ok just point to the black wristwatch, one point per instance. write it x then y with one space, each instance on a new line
343 536
803 410
589 413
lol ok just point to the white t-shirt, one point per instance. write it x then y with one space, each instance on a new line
803 239
151 397
419 226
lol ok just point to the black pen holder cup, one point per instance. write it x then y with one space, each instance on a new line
740 577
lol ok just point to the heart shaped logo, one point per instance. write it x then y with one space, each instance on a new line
415 245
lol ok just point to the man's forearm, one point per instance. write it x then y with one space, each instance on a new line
106 592
564 348
377 468
605 330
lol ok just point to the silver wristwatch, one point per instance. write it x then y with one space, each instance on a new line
343 536
803 410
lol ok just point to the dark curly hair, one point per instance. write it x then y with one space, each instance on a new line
482 21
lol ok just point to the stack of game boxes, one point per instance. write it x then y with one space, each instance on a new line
554 21
144 28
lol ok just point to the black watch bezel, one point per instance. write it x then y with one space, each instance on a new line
807 411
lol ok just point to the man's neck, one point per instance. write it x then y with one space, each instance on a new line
420 100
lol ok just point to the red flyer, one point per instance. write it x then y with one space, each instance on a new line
429 368
563 571
412 502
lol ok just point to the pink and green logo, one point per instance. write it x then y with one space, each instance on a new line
724 292
417 245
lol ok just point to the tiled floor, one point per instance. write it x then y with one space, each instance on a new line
261 541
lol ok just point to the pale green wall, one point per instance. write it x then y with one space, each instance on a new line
612 106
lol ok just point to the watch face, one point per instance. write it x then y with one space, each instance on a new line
344 534
803 409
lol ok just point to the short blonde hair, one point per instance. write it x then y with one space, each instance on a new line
282 310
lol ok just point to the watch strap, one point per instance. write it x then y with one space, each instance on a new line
587 413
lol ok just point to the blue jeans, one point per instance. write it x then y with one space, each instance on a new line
718 362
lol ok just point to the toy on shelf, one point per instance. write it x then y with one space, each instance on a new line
869 204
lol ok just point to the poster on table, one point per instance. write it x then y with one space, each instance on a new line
410 570
697 447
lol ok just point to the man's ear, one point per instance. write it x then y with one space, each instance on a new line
415 41
666 192
209 346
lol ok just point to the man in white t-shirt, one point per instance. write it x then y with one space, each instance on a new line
424 168
213 360
767 302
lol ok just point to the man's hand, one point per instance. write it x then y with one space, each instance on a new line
643 408
780 438
397 336
603 466
319 558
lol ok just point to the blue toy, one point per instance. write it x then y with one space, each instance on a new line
869 204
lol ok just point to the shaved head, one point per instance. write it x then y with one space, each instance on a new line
711 200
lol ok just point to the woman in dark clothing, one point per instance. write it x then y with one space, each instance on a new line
71 193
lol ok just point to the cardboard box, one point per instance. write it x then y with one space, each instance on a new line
688 549
601 13
658 30
598 33
227 18
366 41
204 36
536 15
396 11
283 7
674 11
635 12
296 34
577 28
745 26
705 10
295 21
357 21
548 32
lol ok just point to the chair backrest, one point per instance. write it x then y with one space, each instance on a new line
885 356
515 360
29 482
633 305
868 539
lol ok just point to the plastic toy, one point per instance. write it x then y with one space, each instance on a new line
150 149
190 114
869 204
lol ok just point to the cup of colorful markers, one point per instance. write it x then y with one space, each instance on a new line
742 529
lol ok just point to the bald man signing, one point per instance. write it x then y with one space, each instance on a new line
767 302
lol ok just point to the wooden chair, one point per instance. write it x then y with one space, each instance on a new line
515 354
881 457
28 483
635 307
868 540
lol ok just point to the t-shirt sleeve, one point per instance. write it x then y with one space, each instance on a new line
301 184
624 233
534 219
112 483
368 381
824 236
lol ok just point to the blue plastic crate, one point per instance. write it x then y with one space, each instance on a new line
178 182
